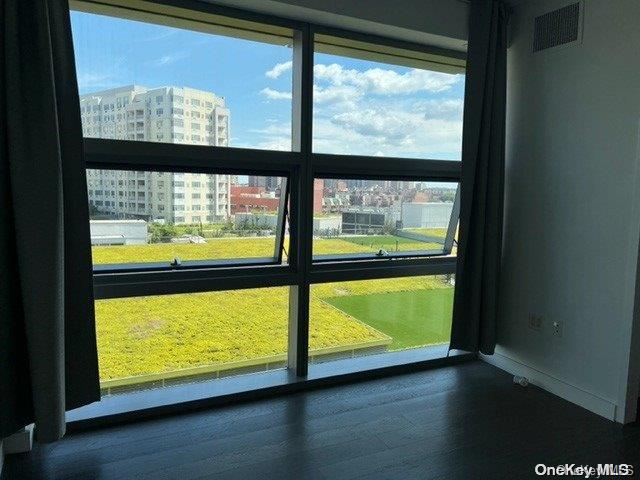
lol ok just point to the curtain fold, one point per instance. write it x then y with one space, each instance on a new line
482 180
47 328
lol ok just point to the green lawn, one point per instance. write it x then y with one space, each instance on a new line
390 243
213 249
249 247
377 239
410 318
429 232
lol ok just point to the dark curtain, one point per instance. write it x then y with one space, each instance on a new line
482 182
48 356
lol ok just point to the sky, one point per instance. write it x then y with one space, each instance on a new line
360 107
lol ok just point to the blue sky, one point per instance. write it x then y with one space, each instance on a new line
360 107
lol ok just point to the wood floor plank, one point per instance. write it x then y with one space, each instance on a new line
464 421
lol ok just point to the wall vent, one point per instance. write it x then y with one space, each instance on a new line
559 28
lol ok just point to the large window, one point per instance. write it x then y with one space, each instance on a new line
264 193
372 102
156 78
154 219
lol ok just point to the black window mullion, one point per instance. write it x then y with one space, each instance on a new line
135 155
281 226
453 223
302 207
368 167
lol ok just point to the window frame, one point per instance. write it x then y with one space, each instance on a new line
300 166
448 241
157 266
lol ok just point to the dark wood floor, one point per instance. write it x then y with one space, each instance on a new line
467 421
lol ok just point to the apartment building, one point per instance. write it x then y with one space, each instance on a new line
164 114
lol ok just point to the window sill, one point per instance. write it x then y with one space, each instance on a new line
128 407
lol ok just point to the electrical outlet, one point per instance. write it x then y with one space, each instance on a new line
557 328
535 322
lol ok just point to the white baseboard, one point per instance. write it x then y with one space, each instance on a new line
562 389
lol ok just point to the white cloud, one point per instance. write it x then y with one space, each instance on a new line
275 128
376 112
272 94
385 82
168 59
275 135
395 127
337 97
281 144
444 109
278 69
368 130
387 131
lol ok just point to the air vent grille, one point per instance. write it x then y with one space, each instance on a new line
557 28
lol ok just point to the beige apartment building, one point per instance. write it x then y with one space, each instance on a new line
163 114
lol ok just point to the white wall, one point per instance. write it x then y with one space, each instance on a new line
426 215
440 23
118 232
572 204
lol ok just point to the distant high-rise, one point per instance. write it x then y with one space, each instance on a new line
163 114
270 184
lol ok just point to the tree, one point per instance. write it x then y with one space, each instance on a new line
160 232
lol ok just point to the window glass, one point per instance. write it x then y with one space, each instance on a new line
149 71
379 316
379 218
164 217
166 339
385 105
